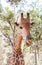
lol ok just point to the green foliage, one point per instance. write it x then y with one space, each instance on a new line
12 20
6 28
0 8
9 14
35 16
36 30
41 17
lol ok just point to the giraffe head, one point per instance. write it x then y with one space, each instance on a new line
25 26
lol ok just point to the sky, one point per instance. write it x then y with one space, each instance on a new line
24 5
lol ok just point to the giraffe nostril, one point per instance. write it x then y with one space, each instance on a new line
29 37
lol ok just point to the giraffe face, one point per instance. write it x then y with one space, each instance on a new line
25 31
25 26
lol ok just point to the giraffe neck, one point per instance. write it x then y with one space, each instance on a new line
17 46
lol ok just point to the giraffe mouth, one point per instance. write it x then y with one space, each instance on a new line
28 42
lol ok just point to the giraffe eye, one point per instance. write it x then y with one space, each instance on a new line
21 27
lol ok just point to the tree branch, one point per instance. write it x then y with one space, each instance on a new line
10 25
7 36
13 29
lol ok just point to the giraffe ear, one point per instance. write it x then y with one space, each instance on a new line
16 24
32 24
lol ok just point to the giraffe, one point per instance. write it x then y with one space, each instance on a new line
17 57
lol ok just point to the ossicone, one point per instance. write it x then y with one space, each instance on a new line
28 14
21 15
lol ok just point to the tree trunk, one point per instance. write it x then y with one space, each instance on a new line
1 61
35 57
